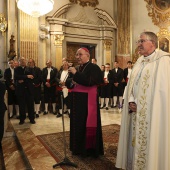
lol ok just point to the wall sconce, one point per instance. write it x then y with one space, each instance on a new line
3 23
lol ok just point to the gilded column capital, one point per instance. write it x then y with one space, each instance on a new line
58 38
107 44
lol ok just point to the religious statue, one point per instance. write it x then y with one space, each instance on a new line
12 53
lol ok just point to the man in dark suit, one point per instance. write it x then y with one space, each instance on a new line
23 76
49 75
2 111
127 71
106 89
118 85
61 79
37 73
10 86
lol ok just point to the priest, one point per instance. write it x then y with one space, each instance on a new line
144 141
85 122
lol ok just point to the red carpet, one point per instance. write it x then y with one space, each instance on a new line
54 144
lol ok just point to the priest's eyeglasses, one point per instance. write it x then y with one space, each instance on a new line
142 41
79 54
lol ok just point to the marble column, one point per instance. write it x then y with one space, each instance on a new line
58 43
123 37
3 36
107 51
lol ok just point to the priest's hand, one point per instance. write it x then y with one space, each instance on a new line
72 70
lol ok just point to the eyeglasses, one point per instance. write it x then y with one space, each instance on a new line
79 54
142 41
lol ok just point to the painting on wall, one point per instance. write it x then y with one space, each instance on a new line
159 11
164 44
162 4
83 3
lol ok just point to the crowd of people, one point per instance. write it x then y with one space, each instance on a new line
115 80
32 90
144 93
29 88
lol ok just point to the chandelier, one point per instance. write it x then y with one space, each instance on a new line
35 8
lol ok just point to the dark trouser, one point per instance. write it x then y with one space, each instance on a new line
66 100
26 100
106 91
118 91
12 98
50 94
37 94
2 113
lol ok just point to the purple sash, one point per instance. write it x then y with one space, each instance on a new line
91 123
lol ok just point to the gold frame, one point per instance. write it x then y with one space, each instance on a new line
164 40
83 3
160 13
3 23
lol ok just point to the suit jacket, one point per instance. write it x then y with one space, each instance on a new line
37 73
125 71
8 78
118 76
90 75
21 74
2 93
110 77
53 75
59 76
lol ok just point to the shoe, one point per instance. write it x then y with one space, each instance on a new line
111 106
45 113
32 122
66 112
107 108
55 113
21 122
17 117
114 106
37 115
58 115
102 107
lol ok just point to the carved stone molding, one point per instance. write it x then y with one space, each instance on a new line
64 9
159 11
83 3
105 16
82 18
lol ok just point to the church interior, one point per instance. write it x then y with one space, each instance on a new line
109 29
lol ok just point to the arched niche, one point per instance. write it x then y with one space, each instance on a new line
86 26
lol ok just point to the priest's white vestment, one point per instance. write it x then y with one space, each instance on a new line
144 141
